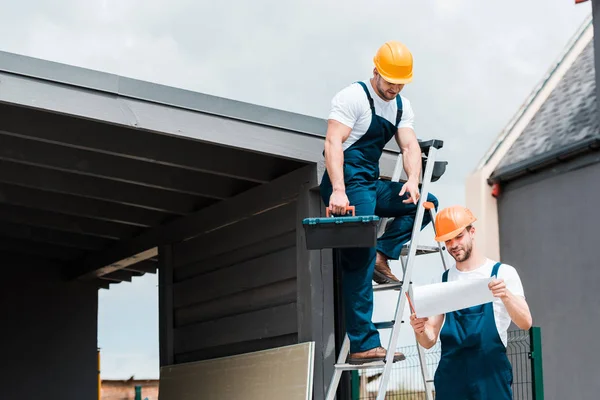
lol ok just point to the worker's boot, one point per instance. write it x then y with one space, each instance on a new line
376 354
382 273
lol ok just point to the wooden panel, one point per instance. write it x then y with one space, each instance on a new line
251 274
251 300
237 348
269 322
240 255
253 230
281 373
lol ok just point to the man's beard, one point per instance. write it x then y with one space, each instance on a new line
464 255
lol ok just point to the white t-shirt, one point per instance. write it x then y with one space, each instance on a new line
351 107
512 281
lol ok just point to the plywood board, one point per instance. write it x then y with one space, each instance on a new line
279 373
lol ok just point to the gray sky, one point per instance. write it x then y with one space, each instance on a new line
475 63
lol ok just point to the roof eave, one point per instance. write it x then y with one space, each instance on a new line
544 161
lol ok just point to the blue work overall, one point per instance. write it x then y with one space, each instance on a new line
473 365
370 196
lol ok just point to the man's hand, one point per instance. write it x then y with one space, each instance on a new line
418 324
498 288
338 201
411 187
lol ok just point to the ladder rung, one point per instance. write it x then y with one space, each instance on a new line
355 367
421 249
384 325
387 286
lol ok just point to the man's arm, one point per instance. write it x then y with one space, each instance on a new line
337 133
515 304
411 160
427 330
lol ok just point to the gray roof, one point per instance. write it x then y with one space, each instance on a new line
567 118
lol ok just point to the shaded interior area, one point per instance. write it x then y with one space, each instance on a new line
72 187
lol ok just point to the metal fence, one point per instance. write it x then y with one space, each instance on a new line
406 381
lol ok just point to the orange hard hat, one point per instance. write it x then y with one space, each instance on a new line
394 62
451 221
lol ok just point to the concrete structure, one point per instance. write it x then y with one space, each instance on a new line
103 178
536 195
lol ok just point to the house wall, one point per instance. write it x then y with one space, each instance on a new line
596 22
248 286
48 339
234 289
549 233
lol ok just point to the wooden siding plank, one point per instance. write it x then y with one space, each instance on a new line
253 230
242 254
226 281
272 295
237 348
265 323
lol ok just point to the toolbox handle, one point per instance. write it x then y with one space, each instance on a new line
348 208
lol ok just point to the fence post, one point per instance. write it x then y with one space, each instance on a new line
355 385
537 369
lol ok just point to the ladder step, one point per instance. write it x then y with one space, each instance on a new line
356 367
384 325
421 249
387 286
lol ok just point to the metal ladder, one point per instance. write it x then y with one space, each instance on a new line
407 258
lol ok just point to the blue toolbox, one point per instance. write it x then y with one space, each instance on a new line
333 232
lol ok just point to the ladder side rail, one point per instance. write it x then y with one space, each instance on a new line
427 381
407 278
337 373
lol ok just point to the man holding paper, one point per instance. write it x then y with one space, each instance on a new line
473 363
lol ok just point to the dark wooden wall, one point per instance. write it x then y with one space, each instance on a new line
49 335
234 290
251 284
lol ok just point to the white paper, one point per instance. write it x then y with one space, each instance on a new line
440 298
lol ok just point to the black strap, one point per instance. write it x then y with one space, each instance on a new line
368 96
445 276
399 111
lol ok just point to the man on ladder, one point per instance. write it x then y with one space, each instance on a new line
473 363
364 117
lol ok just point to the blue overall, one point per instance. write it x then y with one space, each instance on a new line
370 196
473 365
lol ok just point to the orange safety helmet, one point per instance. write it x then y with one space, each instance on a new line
451 221
394 62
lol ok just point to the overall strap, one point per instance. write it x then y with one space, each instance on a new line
445 276
368 96
495 269
399 111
